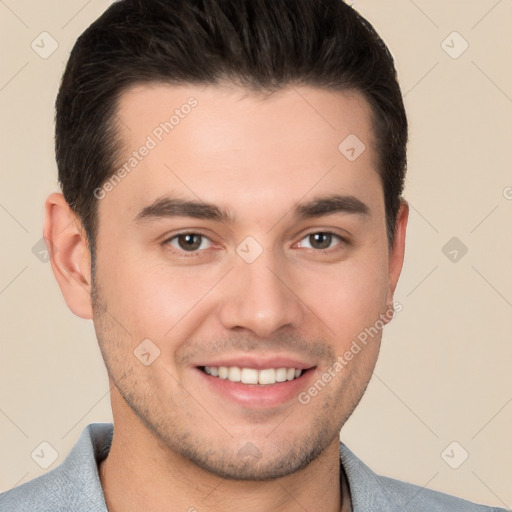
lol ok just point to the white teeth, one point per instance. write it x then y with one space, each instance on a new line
253 376
234 374
267 376
281 375
249 376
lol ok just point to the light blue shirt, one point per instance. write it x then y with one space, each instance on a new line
74 486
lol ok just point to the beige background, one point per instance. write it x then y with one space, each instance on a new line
444 371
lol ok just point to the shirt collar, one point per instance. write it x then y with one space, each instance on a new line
366 490
81 472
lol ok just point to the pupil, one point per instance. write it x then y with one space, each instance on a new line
321 240
189 242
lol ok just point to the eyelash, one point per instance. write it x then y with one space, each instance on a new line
188 254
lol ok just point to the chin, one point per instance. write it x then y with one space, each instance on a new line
250 463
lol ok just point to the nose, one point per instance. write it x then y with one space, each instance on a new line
260 297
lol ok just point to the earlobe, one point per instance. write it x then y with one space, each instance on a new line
396 255
69 254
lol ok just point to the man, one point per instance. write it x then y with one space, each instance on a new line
232 220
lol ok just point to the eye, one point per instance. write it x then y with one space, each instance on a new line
189 242
321 240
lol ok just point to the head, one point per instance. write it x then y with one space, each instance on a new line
234 172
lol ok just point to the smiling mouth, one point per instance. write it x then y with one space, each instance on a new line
263 377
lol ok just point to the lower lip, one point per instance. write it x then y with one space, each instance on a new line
259 396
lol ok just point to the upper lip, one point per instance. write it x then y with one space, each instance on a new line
258 362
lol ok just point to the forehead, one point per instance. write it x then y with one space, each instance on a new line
237 148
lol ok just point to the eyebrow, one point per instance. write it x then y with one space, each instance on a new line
174 207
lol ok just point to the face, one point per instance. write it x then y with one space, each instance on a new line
239 256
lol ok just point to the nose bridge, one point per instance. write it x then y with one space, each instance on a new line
258 297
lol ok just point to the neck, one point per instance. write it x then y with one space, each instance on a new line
140 474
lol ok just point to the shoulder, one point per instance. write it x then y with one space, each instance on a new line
371 492
74 485
421 499
39 495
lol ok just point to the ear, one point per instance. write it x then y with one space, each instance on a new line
69 254
396 255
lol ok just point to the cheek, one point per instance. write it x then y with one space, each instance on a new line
151 298
349 299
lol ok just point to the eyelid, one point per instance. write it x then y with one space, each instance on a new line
190 231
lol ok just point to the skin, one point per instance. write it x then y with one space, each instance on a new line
177 439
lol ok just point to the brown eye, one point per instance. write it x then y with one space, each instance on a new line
321 240
189 242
